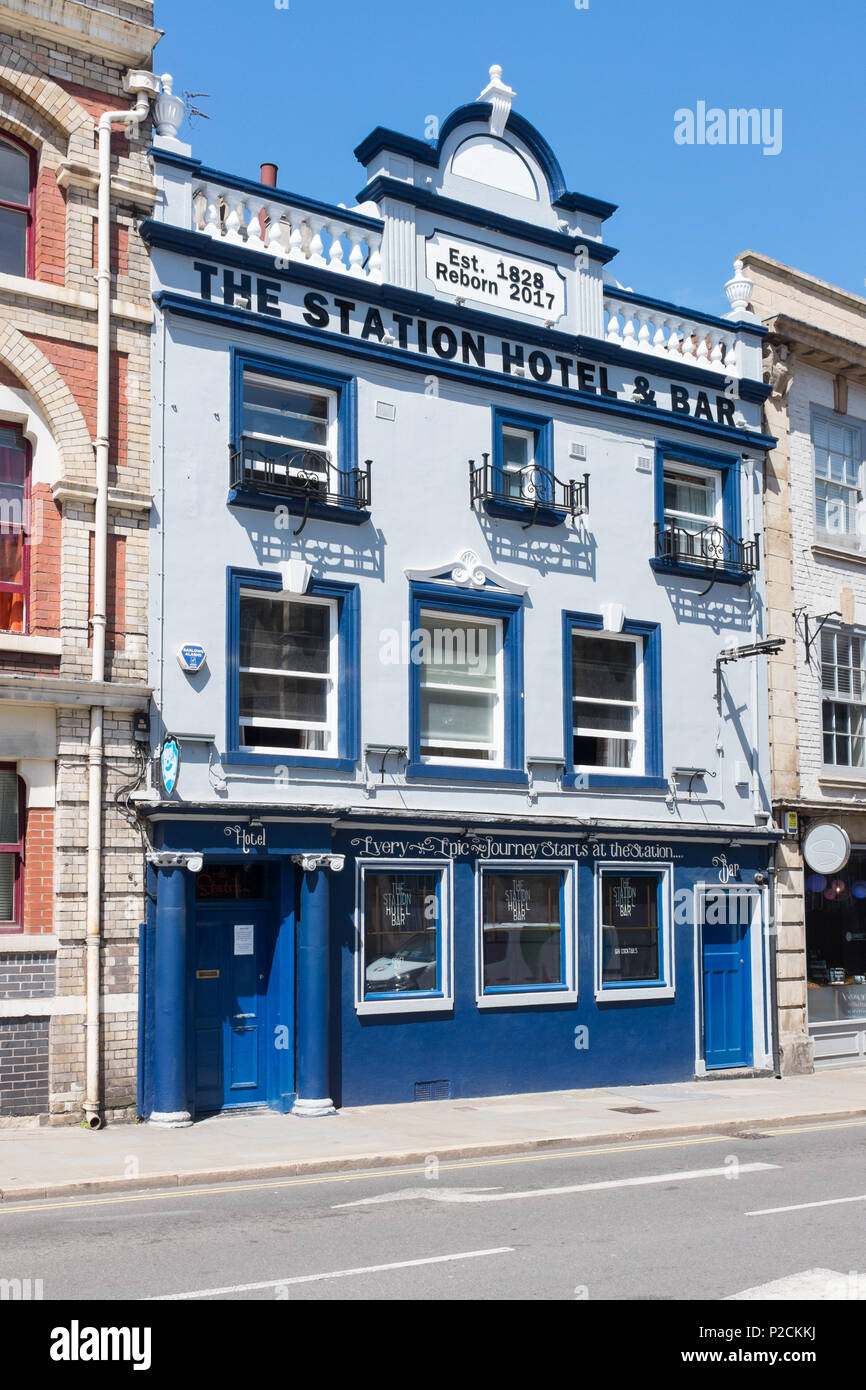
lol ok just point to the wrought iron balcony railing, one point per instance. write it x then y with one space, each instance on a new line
302 475
535 491
711 548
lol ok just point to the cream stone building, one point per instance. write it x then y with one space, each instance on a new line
75 494
815 548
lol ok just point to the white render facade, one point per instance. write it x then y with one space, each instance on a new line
573 472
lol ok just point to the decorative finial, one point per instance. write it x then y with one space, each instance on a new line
739 290
500 97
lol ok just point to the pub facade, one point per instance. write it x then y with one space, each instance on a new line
459 722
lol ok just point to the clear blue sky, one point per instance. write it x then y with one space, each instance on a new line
302 86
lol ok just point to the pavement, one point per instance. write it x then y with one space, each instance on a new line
70 1161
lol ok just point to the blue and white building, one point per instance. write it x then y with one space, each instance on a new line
450 531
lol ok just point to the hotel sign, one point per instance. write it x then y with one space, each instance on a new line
495 279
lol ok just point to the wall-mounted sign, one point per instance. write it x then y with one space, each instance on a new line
247 837
169 764
245 938
489 848
191 657
727 872
485 275
792 823
826 848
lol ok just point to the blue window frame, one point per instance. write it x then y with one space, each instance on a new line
313 439
698 491
525 935
307 685
634 956
466 685
613 705
522 469
404 936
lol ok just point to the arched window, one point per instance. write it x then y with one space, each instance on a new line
14 528
17 164
11 846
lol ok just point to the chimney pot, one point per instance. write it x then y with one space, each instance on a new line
268 175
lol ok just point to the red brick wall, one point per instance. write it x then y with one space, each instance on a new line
45 521
38 913
115 605
119 254
50 229
76 363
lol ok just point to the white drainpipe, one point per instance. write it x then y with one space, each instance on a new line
130 117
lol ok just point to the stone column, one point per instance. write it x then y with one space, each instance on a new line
312 1024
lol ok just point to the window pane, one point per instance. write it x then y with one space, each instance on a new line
522 930
587 715
9 831
11 557
630 928
7 887
457 716
603 668
283 635
603 752
516 449
284 412
286 740
13 242
283 697
400 933
685 493
14 174
457 653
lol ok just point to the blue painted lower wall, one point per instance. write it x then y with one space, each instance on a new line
477 1051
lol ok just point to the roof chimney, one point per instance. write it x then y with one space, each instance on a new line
268 175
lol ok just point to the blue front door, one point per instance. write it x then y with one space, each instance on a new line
234 951
727 994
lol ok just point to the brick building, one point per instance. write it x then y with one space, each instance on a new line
815 546
66 715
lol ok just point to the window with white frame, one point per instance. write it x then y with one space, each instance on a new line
692 497
607 701
524 919
287 673
460 687
838 452
289 430
843 706
634 954
404 937
518 462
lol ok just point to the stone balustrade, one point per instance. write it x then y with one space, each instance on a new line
263 220
671 333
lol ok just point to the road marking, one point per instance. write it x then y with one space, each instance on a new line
11 1208
805 1206
808 1284
486 1194
332 1274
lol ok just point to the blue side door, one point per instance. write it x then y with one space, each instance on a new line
234 951
727 994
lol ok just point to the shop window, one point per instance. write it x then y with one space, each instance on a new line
293 672
843 706
633 947
466 685
17 181
11 846
612 700
836 944
404 942
14 529
837 446
525 949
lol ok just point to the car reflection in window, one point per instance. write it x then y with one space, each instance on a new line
412 967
